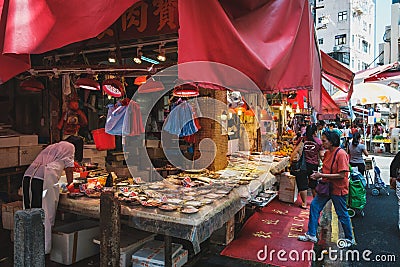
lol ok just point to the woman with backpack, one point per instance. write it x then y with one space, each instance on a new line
356 151
312 151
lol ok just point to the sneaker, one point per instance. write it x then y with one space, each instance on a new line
349 243
307 238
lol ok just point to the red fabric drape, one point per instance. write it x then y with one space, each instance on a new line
301 97
336 73
33 27
328 105
270 41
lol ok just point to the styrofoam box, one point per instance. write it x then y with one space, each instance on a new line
9 141
74 242
9 157
28 140
8 210
130 242
27 154
152 255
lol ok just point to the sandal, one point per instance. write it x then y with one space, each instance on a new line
304 206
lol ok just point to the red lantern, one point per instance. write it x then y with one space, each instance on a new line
31 85
87 83
186 90
140 80
249 112
113 88
151 86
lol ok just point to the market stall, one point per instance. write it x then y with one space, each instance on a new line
192 213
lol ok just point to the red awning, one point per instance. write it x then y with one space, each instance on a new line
272 42
328 105
370 74
337 74
33 27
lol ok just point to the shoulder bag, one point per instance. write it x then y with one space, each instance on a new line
323 188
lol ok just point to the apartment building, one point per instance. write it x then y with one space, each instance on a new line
345 30
388 49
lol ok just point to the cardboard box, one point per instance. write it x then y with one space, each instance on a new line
7 213
287 188
153 143
130 241
9 157
9 141
74 242
28 140
152 255
27 154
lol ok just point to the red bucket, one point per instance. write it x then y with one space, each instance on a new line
103 140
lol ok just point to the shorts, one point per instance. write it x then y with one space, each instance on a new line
302 179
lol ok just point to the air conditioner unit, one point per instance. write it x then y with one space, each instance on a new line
336 48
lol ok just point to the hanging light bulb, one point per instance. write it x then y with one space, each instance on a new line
139 55
161 51
112 58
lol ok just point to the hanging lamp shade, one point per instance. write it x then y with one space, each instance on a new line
249 112
140 80
240 110
186 90
113 87
87 83
31 85
151 86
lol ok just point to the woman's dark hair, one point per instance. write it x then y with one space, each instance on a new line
310 131
332 137
356 139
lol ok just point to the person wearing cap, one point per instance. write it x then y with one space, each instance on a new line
40 182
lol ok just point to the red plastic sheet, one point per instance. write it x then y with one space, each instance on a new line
33 27
270 41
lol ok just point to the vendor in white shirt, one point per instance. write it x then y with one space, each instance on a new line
40 182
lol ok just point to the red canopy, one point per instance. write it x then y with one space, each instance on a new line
33 27
328 105
373 73
337 74
272 42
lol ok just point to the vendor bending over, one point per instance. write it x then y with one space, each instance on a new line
40 182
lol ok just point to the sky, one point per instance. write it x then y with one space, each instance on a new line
382 20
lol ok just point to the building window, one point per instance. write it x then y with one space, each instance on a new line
320 19
364 25
321 41
365 46
340 39
342 16
352 62
359 44
369 28
364 66
352 40
358 65
320 0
